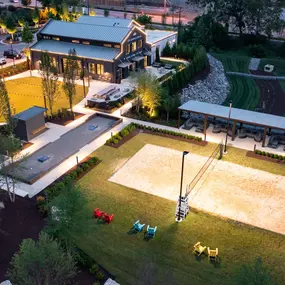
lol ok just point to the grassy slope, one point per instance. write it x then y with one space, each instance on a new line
125 255
244 91
27 92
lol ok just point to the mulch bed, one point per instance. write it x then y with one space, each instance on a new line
271 93
66 120
27 145
252 154
140 131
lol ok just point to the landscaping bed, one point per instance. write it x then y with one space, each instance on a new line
133 129
266 156
64 117
11 70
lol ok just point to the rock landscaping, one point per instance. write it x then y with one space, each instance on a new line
214 89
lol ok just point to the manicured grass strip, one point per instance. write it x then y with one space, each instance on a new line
126 255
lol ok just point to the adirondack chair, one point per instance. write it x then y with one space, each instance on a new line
150 232
97 213
199 249
108 218
213 254
138 227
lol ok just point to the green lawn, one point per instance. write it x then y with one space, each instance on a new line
27 92
244 92
126 255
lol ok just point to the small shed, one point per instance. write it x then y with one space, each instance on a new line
30 123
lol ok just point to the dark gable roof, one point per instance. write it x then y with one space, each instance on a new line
85 31
29 113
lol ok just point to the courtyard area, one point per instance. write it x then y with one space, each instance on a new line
27 92
126 255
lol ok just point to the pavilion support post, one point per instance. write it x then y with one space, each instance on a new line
179 113
205 127
234 131
264 136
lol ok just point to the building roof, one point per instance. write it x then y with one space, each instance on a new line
105 21
154 36
87 51
250 117
85 31
30 113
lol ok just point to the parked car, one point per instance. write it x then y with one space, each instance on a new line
14 1
2 60
12 54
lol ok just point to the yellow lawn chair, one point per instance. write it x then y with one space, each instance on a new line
199 249
213 254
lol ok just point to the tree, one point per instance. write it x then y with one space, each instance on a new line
46 3
6 110
36 17
49 81
42 262
27 35
144 19
125 13
167 50
168 103
163 19
69 214
11 26
21 22
26 3
69 76
254 274
3 23
157 55
106 12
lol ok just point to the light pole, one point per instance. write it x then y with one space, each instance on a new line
11 42
181 184
230 111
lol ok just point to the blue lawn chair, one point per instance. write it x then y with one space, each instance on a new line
138 227
150 232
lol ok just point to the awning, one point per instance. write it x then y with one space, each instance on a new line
124 64
138 58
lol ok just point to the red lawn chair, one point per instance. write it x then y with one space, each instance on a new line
97 213
108 218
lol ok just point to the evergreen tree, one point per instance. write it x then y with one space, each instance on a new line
11 26
27 35
157 55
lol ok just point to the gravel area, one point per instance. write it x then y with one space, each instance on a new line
243 194
214 89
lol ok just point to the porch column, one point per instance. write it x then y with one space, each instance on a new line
179 118
233 130
264 136
205 126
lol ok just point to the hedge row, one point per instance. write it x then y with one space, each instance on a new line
133 126
55 189
268 154
19 68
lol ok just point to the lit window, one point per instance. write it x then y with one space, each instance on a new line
86 43
117 46
134 46
56 39
91 68
140 44
100 68
128 48
75 41
107 45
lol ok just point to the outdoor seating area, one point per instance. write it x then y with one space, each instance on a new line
98 214
149 233
212 253
276 140
106 92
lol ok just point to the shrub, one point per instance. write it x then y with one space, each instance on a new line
84 166
96 283
79 170
115 141
124 132
257 51
99 276
73 175
94 269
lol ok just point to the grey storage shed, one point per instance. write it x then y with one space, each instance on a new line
30 123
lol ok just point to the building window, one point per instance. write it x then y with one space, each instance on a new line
86 43
128 48
75 41
54 62
140 44
117 46
100 69
91 68
134 46
107 45
46 37
56 39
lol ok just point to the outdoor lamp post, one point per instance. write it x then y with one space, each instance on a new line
180 195
228 125
11 42
83 75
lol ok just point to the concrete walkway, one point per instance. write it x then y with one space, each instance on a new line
254 64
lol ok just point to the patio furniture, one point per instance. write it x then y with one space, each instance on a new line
189 124
168 66
150 232
213 254
217 129
97 213
157 64
138 227
108 218
199 249
273 142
